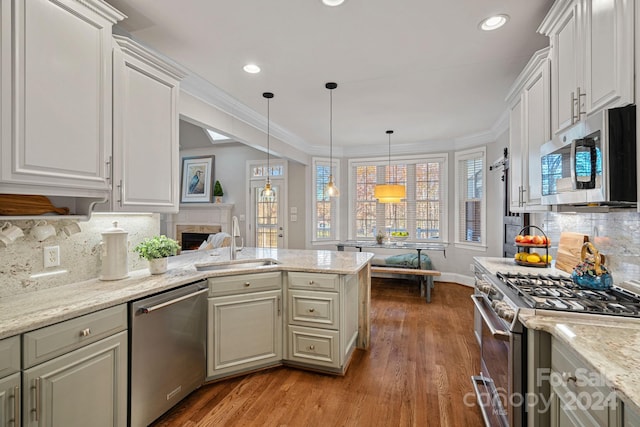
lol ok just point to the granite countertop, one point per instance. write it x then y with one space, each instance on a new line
609 345
508 265
32 310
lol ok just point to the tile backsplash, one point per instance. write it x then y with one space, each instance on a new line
615 234
22 262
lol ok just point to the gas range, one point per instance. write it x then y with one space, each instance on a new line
557 293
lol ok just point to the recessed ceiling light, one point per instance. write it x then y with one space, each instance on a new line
493 22
332 2
251 68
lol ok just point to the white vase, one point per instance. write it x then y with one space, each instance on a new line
158 265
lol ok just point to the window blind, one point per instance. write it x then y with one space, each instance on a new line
325 208
470 197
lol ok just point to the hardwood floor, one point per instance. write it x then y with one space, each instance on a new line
416 373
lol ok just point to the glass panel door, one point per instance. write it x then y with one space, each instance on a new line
267 224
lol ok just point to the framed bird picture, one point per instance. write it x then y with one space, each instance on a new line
197 179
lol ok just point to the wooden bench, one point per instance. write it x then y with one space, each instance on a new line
423 275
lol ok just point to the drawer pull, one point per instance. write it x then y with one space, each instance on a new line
312 347
311 310
85 332
16 405
567 377
36 387
311 282
247 284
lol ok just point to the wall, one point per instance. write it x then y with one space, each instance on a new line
615 234
79 253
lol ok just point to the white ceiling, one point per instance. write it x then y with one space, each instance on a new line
420 67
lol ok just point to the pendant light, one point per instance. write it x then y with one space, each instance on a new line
266 194
331 189
389 193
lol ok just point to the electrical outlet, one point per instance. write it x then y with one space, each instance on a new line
472 267
51 256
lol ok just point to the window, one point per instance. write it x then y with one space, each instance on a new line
470 198
325 208
422 214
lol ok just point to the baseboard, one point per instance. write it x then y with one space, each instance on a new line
460 279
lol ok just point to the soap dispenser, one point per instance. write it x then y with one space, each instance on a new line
115 265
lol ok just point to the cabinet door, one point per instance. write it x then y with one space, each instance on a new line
56 129
564 69
536 132
609 68
85 387
515 156
245 332
145 143
10 401
560 417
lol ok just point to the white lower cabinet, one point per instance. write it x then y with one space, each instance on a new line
10 400
579 395
10 382
245 324
322 320
75 372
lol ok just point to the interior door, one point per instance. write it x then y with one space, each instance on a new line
267 215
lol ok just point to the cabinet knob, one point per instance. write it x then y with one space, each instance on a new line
85 332
312 347
567 377
247 284
311 282
311 310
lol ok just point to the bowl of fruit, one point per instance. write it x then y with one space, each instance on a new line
400 235
534 241
532 259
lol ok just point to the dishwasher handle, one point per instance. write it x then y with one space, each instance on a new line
146 310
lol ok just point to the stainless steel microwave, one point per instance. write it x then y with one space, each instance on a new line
594 162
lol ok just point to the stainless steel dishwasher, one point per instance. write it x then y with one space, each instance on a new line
168 350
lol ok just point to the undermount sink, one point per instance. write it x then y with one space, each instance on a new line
236 265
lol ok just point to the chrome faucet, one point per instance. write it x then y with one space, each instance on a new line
235 233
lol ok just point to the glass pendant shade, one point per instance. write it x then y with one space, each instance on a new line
389 193
331 189
266 194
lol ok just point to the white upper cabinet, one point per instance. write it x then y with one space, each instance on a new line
55 73
145 125
592 67
529 128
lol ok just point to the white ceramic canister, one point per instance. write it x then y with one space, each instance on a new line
115 263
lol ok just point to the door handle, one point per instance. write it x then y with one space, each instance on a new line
280 235
145 310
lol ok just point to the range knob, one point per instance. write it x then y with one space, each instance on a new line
507 314
484 287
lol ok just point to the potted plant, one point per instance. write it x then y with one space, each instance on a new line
217 192
156 250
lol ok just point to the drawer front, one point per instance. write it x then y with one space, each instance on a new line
314 346
583 391
320 281
316 309
243 283
9 356
46 343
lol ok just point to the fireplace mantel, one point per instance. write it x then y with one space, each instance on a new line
201 214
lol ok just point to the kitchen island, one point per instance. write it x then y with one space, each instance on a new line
33 310
606 346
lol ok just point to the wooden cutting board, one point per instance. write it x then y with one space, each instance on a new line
20 204
569 249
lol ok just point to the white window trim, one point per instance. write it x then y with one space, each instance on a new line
464 155
336 200
443 158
